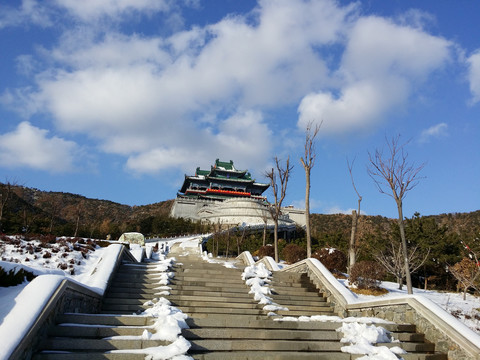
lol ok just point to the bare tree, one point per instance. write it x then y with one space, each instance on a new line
79 213
395 173
467 271
282 174
391 258
352 247
53 207
308 161
5 192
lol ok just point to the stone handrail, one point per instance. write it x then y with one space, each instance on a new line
449 334
65 296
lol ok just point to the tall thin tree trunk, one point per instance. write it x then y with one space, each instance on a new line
404 247
352 248
76 226
275 240
307 212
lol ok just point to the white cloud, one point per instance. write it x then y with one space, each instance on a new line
148 97
473 63
29 12
88 10
300 204
381 62
243 137
359 105
29 146
127 91
435 131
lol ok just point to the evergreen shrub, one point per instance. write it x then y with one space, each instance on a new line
292 253
267 250
367 275
333 259
12 278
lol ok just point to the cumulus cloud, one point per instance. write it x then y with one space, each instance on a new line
473 63
243 137
381 63
88 10
29 12
148 98
435 131
126 91
29 146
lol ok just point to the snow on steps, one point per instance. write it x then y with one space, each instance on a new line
454 338
224 323
215 334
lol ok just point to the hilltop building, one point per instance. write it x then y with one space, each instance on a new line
227 196
223 181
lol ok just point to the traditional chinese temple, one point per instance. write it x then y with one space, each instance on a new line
227 196
223 181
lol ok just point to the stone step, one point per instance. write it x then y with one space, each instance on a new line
80 344
95 331
123 308
210 273
182 265
217 271
311 308
205 284
89 356
265 334
326 311
102 319
184 287
294 355
301 292
205 279
223 344
193 310
264 323
212 299
277 355
262 345
237 295
231 355
292 301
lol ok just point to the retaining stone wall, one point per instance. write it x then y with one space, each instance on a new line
404 313
69 297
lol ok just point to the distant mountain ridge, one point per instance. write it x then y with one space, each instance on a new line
46 211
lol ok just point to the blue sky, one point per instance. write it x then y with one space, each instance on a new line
118 100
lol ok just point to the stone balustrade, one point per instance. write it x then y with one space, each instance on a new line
449 335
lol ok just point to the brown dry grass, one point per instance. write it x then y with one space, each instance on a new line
374 292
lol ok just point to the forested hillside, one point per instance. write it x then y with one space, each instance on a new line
437 242
27 210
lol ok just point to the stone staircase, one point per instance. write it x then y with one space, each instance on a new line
225 321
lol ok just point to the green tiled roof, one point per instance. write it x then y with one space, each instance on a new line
202 172
225 165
